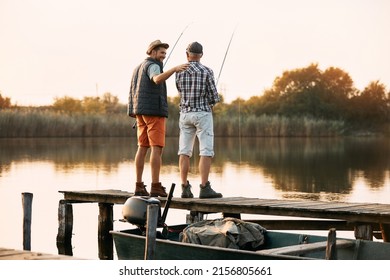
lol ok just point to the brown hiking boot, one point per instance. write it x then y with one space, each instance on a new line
158 190
140 189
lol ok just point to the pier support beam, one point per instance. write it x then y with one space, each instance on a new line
385 229
106 247
363 231
65 227
194 217
151 231
331 251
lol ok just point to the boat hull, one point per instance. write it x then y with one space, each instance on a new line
130 245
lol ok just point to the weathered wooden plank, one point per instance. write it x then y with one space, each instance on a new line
329 205
103 196
357 208
13 254
279 211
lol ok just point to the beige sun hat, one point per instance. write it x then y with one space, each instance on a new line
156 44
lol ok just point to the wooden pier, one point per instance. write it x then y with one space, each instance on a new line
12 254
365 219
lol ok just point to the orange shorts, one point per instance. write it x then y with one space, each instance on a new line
150 131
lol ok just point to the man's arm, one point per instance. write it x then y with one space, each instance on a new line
158 79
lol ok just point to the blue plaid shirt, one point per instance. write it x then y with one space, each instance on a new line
197 88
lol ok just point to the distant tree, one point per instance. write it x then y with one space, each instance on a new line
93 105
251 107
5 102
90 105
338 88
309 92
67 104
296 91
371 105
338 83
297 80
268 103
111 104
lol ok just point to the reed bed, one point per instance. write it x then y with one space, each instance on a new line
48 123
277 126
34 123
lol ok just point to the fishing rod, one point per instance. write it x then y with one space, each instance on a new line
181 34
224 58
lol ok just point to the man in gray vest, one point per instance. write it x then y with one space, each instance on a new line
149 105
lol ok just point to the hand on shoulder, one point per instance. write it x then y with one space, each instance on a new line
182 67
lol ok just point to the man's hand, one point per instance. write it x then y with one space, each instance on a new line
164 76
182 67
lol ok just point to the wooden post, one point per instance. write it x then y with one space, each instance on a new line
105 243
151 231
363 231
194 217
27 214
385 229
65 227
331 252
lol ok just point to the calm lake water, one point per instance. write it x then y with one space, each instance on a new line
342 169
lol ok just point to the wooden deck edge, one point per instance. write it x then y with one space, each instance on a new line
14 254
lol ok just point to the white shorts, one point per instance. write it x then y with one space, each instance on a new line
199 124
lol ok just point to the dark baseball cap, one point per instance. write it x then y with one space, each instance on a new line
195 47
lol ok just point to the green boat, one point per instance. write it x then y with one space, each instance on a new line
228 239
130 245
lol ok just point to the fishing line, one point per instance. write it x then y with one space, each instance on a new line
224 58
181 34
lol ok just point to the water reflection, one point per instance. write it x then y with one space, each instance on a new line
303 165
69 153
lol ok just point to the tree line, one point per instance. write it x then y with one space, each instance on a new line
310 92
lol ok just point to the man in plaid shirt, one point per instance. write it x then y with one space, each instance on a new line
198 95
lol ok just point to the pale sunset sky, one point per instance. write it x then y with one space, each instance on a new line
77 48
